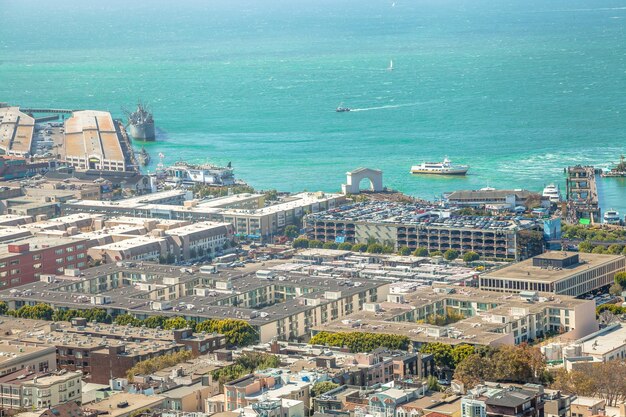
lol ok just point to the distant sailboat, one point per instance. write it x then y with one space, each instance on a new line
390 68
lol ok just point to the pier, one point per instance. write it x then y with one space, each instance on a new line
31 110
47 119
582 195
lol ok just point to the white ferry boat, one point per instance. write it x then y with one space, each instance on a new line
612 217
552 193
187 175
440 168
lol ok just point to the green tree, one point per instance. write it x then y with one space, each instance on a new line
330 245
154 321
359 247
615 249
3 308
404 251
316 244
157 363
292 231
237 332
615 289
521 363
421 252
322 387
98 315
620 279
469 257
361 341
473 370
599 249
433 383
246 363
442 354
461 352
436 253
375 248
451 254
301 243
176 323
126 319
39 311
585 246
345 246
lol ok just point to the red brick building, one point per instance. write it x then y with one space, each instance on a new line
24 261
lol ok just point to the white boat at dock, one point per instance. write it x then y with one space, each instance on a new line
552 193
611 217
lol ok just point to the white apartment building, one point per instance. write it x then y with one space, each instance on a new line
24 389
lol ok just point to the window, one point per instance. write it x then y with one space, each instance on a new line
69 249
79 247
15 271
15 262
37 257
59 261
58 252
37 266
70 258
80 256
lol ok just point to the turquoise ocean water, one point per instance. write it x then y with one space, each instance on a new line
517 89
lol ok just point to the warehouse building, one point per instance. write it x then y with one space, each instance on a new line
93 141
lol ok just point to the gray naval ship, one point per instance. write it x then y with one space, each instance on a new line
141 123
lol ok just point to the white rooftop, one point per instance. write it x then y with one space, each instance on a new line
605 342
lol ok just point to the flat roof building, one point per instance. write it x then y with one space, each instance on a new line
92 141
478 198
25 389
25 260
487 319
125 405
565 273
144 290
16 131
16 356
417 225
248 215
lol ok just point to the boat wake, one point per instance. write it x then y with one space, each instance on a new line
390 106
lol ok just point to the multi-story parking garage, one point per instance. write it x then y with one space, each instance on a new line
419 226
